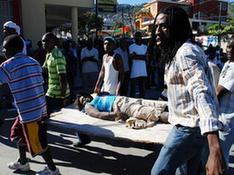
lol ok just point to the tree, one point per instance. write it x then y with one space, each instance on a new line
87 22
215 29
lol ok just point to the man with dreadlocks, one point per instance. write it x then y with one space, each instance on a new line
191 99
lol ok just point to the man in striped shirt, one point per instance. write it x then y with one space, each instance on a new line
58 88
192 101
55 66
23 74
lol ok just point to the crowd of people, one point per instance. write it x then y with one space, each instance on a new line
199 88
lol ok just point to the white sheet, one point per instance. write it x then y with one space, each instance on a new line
74 119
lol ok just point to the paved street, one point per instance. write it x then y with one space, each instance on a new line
99 157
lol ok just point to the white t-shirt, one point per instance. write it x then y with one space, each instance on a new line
138 66
89 66
226 79
124 56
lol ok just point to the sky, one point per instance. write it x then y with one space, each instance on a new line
133 2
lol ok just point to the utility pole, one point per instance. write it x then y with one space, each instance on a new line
96 19
123 22
220 13
130 19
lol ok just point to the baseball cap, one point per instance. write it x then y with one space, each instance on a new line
12 25
109 38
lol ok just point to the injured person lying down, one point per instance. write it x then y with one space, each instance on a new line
138 113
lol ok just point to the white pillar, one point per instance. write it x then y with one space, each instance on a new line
74 17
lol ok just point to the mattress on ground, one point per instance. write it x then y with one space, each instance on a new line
76 120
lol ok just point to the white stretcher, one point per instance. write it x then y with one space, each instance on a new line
74 119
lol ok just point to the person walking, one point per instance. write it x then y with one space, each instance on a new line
23 74
192 101
122 50
10 28
55 67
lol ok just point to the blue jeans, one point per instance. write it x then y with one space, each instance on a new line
181 150
140 81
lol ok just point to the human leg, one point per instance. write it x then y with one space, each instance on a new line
83 139
133 87
139 108
53 104
91 81
142 86
17 135
183 145
36 135
124 87
158 104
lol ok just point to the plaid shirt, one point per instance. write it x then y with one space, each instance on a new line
191 97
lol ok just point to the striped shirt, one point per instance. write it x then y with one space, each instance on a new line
55 63
24 77
191 97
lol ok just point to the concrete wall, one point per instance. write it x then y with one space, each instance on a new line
73 3
33 15
33 19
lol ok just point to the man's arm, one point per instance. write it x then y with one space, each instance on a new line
221 91
134 56
93 112
215 164
91 58
63 84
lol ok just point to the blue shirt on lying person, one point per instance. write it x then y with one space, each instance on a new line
103 103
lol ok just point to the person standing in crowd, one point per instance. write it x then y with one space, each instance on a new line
215 71
225 94
10 28
192 101
55 66
5 100
58 88
138 75
90 68
71 65
122 50
40 53
23 74
112 72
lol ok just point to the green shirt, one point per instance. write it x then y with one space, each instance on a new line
55 63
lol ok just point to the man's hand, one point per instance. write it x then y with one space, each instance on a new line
215 164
